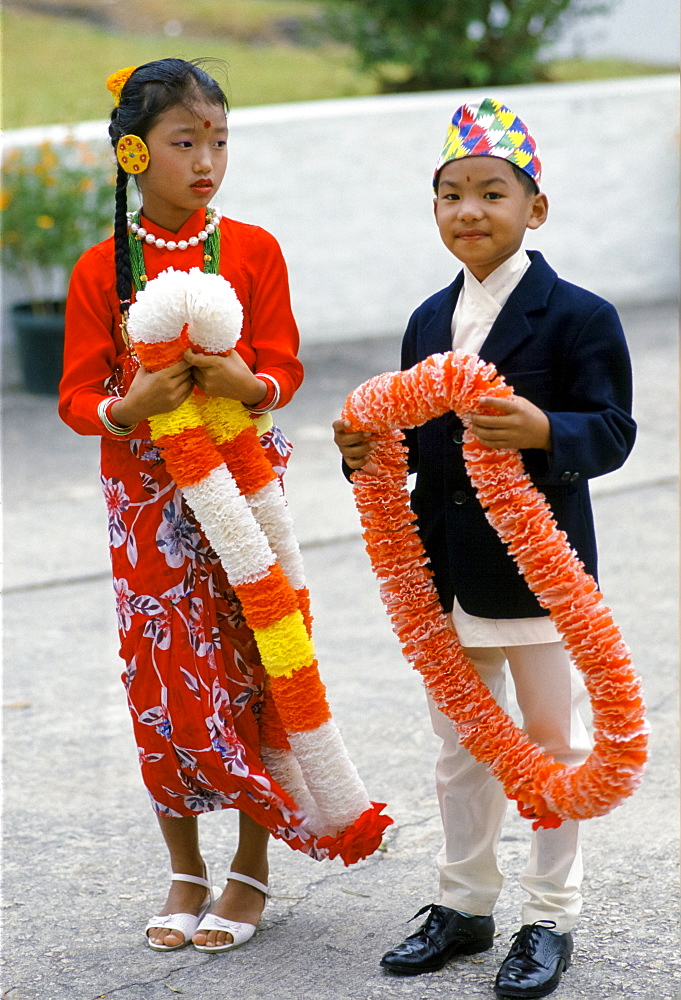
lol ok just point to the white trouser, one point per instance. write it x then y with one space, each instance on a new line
549 690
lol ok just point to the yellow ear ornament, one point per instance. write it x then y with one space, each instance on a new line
132 154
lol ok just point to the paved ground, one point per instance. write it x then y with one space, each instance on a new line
83 864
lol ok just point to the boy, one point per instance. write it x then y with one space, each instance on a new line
563 351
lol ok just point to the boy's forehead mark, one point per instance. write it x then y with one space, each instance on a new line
207 123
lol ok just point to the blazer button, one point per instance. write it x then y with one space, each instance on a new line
574 477
457 437
459 497
565 478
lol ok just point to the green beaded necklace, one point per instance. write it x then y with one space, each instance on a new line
211 251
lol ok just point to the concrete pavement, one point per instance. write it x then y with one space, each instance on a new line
83 862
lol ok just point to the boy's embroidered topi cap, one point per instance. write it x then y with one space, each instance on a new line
489 128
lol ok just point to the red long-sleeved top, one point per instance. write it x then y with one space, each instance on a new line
250 259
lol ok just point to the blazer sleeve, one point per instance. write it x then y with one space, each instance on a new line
594 433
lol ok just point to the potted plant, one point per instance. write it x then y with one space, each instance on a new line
56 201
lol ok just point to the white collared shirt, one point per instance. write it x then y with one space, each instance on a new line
478 306
480 302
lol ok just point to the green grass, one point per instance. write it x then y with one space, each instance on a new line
54 68
239 20
569 70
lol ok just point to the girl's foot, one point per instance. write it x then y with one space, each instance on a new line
240 902
183 897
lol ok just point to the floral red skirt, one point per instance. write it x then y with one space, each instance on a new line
193 676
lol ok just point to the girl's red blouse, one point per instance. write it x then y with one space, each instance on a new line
250 259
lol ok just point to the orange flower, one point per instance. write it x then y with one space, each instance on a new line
48 158
245 459
266 601
117 81
361 839
189 455
546 792
154 357
301 699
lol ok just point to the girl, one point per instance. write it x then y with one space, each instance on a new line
181 628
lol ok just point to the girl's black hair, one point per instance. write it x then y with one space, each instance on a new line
151 90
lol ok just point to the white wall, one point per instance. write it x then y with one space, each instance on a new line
345 187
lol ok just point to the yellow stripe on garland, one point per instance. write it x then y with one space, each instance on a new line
284 646
263 423
187 416
225 418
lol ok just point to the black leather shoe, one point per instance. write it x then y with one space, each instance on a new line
444 935
535 963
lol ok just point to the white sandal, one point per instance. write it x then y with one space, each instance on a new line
185 923
241 932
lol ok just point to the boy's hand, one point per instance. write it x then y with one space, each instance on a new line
520 424
355 446
226 375
153 392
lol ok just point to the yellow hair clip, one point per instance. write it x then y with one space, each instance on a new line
118 80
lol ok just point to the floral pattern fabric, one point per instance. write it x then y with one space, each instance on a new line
193 676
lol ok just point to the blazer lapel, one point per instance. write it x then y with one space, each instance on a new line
512 326
436 335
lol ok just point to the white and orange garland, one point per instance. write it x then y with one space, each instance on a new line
545 791
212 449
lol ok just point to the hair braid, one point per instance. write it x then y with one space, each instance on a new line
121 246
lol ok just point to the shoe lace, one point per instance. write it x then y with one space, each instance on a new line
423 930
424 909
528 935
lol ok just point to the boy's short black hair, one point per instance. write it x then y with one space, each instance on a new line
528 183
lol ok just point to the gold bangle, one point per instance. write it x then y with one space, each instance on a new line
103 414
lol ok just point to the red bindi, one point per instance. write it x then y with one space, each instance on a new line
468 179
206 124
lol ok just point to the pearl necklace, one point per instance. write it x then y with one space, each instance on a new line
213 215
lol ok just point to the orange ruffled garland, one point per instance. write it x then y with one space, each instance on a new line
546 791
213 451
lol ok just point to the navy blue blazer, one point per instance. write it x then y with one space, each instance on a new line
563 348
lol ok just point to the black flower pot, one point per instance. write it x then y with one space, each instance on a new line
39 330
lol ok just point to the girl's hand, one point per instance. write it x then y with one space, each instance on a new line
226 375
520 424
153 392
355 446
